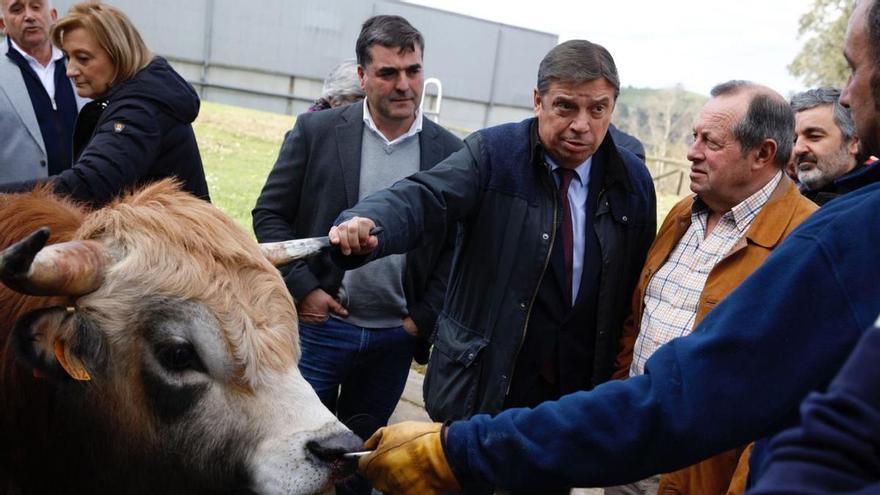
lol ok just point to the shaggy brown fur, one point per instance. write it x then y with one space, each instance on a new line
163 243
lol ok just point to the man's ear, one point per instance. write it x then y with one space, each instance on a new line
765 154
361 70
59 344
536 97
853 148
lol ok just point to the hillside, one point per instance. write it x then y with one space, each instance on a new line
661 118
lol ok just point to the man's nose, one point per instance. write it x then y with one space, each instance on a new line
800 146
403 83
581 123
694 154
845 94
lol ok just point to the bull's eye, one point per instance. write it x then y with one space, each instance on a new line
179 357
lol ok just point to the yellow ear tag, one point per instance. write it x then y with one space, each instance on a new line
70 363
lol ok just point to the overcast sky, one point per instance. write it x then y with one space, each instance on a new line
662 43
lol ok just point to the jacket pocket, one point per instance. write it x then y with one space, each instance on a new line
453 374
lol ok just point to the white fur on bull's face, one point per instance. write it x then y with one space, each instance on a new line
186 404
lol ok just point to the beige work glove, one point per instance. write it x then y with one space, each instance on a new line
408 460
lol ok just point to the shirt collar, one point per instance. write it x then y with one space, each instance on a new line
57 54
414 129
746 211
582 171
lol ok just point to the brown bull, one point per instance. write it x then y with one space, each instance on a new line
160 357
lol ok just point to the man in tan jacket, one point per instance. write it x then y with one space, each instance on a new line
743 208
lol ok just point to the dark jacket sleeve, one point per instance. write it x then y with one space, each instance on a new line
121 152
422 207
275 213
836 449
737 377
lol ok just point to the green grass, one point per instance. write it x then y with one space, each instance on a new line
239 147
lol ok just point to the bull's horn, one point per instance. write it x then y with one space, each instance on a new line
281 253
72 268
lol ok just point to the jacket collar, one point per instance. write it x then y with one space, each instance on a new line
615 169
430 149
349 138
768 228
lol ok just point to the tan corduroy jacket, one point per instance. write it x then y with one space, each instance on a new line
784 211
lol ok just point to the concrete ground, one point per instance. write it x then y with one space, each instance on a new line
412 408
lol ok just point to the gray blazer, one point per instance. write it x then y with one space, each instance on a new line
316 176
22 152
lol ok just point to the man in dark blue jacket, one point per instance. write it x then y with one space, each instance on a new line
555 224
836 448
739 376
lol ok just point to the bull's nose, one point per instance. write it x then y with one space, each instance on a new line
331 449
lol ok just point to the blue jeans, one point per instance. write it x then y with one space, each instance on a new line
359 374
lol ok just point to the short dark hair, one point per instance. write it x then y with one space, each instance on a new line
769 116
577 61
818 97
390 31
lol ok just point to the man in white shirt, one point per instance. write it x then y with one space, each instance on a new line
38 106
360 329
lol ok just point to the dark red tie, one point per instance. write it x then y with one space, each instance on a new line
565 176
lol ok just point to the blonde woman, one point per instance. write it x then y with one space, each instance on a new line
137 129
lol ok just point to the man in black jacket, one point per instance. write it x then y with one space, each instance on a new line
826 148
556 221
358 329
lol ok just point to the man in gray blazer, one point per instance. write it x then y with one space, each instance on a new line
38 106
359 329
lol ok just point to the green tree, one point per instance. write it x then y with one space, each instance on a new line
820 61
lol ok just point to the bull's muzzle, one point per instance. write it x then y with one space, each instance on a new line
73 268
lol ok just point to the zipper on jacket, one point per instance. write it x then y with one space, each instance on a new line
534 296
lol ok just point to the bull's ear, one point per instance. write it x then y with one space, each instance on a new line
56 344
71 363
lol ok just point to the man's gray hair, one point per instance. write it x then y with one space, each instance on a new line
769 116
818 97
342 81
577 62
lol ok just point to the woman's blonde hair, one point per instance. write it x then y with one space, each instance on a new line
113 31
